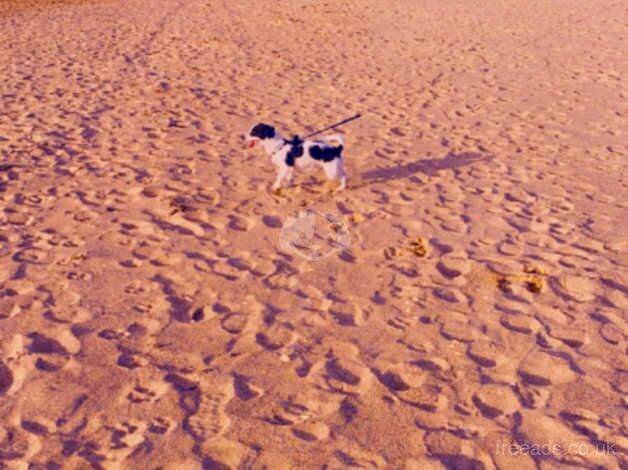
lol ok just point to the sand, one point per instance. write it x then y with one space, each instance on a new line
473 316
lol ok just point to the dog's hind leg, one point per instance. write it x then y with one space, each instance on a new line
342 176
343 183
334 172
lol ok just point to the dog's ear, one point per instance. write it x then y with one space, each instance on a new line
263 131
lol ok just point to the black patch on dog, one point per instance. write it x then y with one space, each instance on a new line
296 150
263 131
327 154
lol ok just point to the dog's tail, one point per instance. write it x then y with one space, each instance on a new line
336 139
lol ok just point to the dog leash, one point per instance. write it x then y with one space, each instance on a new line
338 124
296 140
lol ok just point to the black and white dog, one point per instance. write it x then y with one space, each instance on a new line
288 154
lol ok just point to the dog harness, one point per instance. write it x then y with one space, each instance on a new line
296 151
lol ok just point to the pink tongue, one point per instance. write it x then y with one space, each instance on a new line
252 143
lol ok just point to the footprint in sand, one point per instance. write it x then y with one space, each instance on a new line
311 431
125 438
147 393
9 307
16 365
578 288
17 446
276 337
400 378
159 425
349 455
210 421
6 378
346 375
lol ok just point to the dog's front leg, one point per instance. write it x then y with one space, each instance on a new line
289 176
283 172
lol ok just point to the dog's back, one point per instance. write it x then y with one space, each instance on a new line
325 153
326 149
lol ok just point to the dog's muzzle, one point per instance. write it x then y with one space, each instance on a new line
250 141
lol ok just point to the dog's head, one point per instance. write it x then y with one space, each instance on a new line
258 132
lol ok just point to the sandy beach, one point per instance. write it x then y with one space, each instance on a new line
461 305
